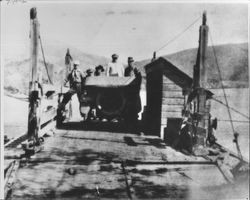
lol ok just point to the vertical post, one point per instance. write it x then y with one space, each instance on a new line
51 72
200 76
200 84
203 51
34 100
154 56
34 26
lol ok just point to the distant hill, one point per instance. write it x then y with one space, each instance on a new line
16 72
232 60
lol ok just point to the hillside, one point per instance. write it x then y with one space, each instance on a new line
16 73
232 60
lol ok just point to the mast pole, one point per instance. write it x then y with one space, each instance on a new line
203 50
34 96
200 76
200 84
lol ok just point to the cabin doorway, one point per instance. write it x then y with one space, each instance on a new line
154 104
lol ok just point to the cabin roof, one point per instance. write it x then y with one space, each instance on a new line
108 81
170 71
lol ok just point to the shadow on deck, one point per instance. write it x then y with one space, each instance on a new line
94 164
118 127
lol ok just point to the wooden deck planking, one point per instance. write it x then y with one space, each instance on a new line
96 157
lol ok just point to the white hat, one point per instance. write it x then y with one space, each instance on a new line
76 62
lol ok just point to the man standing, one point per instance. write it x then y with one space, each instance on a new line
130 69
134 100
115 68
75 81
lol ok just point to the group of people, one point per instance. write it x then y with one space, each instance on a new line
114 68
75 76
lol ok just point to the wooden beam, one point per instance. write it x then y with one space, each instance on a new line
172 94
172 101
34 101
200 75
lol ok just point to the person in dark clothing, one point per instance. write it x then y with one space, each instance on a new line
89 72
184 143
130 69
75 79
99 70
134 100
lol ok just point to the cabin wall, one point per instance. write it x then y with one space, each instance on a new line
167 90
172 106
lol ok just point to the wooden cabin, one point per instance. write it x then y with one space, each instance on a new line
167 90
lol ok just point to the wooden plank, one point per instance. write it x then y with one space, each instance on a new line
172 94
166 115
170 83
167 80
177 79
172 101
166 107
171 87
169 115
10 178
48 115
34 77
172 108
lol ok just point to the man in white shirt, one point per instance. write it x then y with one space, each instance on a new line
115 68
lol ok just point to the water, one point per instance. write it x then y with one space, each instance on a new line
15 116
239 100
16 113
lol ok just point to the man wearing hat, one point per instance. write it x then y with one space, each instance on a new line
89 72
115 68
75 82
99 70
134 100
130 69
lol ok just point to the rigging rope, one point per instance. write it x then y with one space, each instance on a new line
242 114
44 61
220 76
227 105
178 35
237 121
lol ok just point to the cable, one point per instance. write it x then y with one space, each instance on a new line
237 121
220 76
178 35
227 105
45 64
242 114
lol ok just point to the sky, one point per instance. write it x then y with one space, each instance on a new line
128 29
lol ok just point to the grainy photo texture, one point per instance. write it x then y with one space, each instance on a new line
125 100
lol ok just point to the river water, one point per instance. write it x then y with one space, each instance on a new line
16 114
